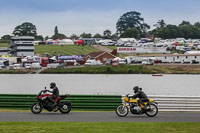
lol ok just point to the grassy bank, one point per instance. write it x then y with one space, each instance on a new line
15 71
130 69
98 127
174 69
64 49
125 69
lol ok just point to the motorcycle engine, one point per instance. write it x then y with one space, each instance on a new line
135 109
48 105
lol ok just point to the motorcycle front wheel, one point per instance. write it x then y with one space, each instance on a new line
36 108
122 110
65 108
152 110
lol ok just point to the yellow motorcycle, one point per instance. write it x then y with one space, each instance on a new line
136 107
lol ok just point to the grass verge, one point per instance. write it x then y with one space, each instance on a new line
98 127
128 69
124 69
15 71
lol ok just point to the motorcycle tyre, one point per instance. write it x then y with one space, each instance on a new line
123 114
153 114
32 110
68 110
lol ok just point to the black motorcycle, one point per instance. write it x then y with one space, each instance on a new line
45 102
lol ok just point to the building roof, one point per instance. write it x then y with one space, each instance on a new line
97 54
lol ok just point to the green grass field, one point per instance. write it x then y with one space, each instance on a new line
111 47
98 127
59 49
3 44
64 50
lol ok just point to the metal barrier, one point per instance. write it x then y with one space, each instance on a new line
178 103
104 102
84 102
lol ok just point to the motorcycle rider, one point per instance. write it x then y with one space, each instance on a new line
141 95
55 93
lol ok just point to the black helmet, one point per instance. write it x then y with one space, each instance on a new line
136 88
52 85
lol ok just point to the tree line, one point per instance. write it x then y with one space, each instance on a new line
129 25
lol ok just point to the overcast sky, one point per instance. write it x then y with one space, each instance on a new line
91 16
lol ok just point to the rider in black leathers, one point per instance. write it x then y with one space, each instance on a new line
141 95
55 92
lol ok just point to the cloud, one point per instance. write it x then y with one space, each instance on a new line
90 16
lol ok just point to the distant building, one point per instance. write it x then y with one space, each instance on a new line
22 46
104 57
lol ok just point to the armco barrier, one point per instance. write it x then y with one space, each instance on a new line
104 102
84 102
178 103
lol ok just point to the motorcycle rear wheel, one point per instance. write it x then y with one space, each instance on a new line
152 110
65 108
122 111
36 108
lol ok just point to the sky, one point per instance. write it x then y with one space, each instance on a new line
91 16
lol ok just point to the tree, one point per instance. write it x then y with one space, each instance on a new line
114 36
39 38
46 38
107 34
186 31
131 19
168 32
6 37
130 33
197 24
74 37
184 23
56 31
160 24
58 36
25 29
86 35
97 35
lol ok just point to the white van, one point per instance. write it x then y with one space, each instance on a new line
147 61
53 65
17 66
93 63
36 66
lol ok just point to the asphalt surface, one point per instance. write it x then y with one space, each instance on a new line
99 117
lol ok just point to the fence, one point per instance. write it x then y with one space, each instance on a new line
84 102
103 102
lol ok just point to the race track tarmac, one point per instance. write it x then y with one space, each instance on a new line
99 117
